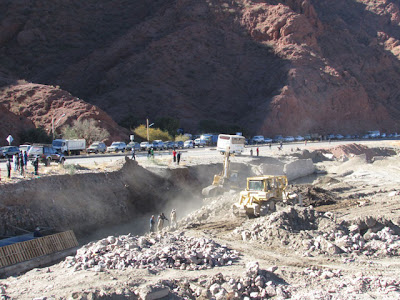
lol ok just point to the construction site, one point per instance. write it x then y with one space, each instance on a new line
315 223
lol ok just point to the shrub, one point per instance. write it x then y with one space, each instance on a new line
154 133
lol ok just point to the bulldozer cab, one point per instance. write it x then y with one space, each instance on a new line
267 183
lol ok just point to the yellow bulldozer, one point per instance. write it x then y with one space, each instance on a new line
262 194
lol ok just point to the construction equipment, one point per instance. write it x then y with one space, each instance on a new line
223 179
262 194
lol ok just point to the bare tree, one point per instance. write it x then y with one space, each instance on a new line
85 129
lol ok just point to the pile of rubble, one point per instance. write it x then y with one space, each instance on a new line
331 284
254 284
312 232
155 252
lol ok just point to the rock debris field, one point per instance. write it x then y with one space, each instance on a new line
347 249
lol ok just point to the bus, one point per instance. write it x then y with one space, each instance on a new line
235 143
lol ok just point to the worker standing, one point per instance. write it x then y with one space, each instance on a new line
21 165
251 152
178 157
174 155
8 168
133 153
152 223
258 151
36 165
161 219
173 218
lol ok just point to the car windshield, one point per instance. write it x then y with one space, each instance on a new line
114 144
57 143
94 144
35 150
256 185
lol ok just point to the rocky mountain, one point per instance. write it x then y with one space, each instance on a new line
269 66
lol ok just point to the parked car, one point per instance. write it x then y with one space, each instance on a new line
188 144
169 145
299 138
289 139
24 148
160 145
267 140
179 144
278 138
96 147
46 154
144 146
133 145
116 147
200 143
330 137
9 151
153 144
257 139
339 137
307 137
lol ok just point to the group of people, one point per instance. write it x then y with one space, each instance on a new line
160 221
19 161
176 156
257 151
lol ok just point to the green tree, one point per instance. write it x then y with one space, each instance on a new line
181 137
35 135
154 133
85 129
214 126
129 122
168 124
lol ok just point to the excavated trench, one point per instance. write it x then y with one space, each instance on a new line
97 204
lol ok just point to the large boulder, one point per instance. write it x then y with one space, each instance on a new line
299 168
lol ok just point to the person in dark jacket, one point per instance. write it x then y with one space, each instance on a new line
21 165
35 164
9 167
152 223
178 157
36 232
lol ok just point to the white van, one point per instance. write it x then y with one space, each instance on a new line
235 143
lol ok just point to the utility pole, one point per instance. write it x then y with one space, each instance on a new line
52 124
147 126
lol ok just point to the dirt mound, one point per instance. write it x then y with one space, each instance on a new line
351 150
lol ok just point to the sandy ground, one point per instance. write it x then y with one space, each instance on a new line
287 246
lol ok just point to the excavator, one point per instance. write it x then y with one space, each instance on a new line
223 180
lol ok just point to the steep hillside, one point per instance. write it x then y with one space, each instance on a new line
272 67
26 105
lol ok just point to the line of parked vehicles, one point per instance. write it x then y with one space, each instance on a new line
259 139
60 148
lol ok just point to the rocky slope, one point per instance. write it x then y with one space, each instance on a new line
272 66
28 105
